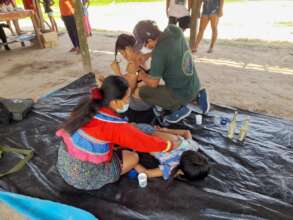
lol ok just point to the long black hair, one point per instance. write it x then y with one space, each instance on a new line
123 41
194 166
113 87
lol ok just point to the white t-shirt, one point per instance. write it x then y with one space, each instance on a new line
177 9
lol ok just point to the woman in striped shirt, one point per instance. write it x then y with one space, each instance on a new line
95 138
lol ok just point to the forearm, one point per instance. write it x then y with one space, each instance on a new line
132 81
156 172
117 72
154 83
171 131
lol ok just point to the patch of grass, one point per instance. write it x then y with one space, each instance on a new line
284 24
251 43
106 2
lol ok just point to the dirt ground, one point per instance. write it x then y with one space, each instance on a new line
252 75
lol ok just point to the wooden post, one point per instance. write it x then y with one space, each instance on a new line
39 15
84 49
193 24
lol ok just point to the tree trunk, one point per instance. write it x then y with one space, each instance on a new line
84 49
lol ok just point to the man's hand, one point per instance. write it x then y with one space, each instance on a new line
115 67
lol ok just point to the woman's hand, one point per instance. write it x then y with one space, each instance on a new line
115 67
186 134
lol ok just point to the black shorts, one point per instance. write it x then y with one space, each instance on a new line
184 22
47 6
118 152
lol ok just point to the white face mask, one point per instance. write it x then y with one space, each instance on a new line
145 50
123 109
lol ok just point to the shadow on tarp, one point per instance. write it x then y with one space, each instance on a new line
253 180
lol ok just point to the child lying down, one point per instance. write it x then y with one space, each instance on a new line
185 160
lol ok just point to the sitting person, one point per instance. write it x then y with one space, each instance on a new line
87 159
136 61
172 61
184 160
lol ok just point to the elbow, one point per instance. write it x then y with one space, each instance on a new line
154 85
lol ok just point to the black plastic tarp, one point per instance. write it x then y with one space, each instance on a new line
253 180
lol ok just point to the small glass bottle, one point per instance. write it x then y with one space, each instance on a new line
232 126
244 130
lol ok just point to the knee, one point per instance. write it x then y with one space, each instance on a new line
215 30
135 157
201 30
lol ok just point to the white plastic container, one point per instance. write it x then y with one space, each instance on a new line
198 119
142 180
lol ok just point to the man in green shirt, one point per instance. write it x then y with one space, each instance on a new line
171 61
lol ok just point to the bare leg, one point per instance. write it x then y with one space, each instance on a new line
130 160
17 27
132 81
214 25
204 20
10 28
53 24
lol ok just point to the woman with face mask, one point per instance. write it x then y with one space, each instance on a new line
87 158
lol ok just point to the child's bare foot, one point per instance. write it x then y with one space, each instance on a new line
194 50
77 50
210 50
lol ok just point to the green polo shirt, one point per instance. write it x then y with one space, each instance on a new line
172 61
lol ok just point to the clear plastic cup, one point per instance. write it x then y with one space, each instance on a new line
198 119
142 180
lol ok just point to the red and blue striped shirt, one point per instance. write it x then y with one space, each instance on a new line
94 141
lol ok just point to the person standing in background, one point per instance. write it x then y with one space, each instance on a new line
212 10
177 12
86 21
67 14
49 11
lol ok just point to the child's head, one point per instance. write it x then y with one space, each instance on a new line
114 94
125 46
194 165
